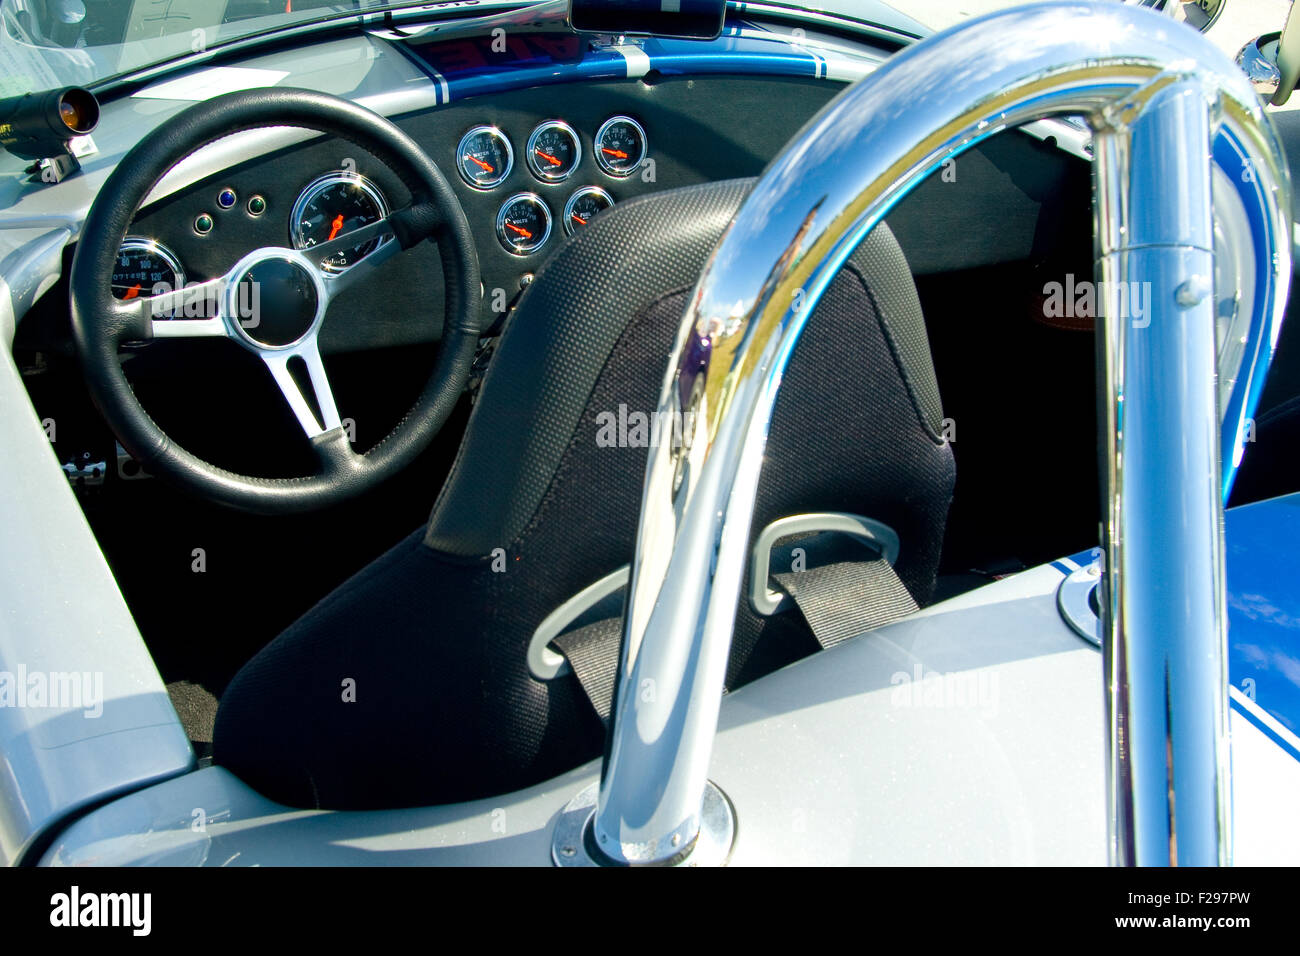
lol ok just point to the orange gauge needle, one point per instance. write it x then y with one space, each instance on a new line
578 218
480 164
335 226
523 232
616 153
548 157
132 292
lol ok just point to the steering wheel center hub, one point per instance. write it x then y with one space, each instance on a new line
275 301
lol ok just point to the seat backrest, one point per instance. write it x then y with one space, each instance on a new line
537 483
540 504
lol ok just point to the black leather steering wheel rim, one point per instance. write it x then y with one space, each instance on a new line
101 324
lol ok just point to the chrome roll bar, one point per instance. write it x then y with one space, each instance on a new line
1156 95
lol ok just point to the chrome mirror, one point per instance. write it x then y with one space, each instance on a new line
1272 62
1258 60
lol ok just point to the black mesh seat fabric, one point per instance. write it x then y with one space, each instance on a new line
409 684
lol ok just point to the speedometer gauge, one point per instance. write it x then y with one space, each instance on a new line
523 224
553 151
143 268
484 157
620 146
332 206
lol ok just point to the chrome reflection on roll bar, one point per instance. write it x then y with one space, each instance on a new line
1154 92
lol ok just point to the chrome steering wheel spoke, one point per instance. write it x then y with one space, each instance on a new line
193 311
396 232
300 393
337 279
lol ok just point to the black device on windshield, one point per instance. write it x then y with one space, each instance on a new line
690 19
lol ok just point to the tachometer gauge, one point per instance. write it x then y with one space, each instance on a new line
620 146
523 224
584 204
553 151
144 267
484 157
332 206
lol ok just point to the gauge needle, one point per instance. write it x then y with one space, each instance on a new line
616 153
548 157
132 292
523 232
335 226
578 218
480 164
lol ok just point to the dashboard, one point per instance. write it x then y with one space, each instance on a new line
531 167
535 139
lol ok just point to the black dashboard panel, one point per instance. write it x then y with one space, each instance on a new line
1002 204
697 129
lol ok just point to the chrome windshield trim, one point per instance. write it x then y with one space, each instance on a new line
812 207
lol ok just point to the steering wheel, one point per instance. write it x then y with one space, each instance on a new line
273 302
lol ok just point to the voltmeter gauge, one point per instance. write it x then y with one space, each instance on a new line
620 146
485 157
554 151
582 205
523 224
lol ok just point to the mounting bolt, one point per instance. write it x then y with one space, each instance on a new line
1193 291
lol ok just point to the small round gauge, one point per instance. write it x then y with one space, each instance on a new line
484 157
584 204
620 146
523 224
553 151
144 267
332 206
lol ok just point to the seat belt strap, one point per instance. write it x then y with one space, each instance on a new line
837 601
592 652
843 600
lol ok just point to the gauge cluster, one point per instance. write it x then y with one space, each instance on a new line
553 153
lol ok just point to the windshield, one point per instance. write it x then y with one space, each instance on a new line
50 43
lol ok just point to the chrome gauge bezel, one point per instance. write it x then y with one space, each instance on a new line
600 157
540 172
155 248
504 240
460 153
569 228
318 186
